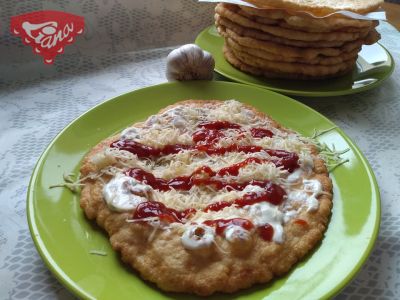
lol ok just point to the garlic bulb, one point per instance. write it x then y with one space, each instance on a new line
189 62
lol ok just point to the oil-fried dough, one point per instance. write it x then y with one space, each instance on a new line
160 244
233 60
319 60
260 35
301 21
320 7
306 53
225 12
294 68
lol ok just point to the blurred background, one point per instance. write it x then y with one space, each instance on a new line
112 27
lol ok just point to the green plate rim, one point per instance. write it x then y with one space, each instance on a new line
70 284
375 232
299 92
57 272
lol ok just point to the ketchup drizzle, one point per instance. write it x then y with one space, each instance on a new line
221 224
149 209
301 222
144 151
287 160
266 232
260 133
273 194
234 169
205 138
165 214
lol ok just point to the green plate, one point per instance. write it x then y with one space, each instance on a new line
374 65
64 238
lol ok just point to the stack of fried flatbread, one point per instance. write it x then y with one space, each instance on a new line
287 42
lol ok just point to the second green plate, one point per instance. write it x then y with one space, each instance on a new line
374 65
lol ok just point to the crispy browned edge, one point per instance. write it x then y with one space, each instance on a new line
224 273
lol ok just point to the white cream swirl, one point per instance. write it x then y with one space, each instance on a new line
124 193
198 236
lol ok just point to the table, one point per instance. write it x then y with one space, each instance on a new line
124 48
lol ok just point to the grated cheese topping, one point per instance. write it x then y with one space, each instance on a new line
176 126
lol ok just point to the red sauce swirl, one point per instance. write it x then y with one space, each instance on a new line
266 232
221 224
150 209
272 193
205 138
261 133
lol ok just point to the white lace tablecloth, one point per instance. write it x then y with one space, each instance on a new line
124 48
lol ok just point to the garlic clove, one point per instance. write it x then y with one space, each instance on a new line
189 62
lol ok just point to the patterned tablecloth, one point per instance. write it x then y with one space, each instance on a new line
124 48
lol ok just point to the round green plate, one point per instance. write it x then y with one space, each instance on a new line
64 238
374 65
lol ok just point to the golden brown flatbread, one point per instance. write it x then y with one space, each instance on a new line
267 56
275 48
320 8
303 21
280 43
208 196
263 36
314 70
229 13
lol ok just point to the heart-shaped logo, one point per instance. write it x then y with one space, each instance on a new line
47 31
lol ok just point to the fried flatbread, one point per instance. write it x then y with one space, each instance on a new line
268 73
275 48
320 8
303 21
263 36
319 60
158 247
313 70
226 12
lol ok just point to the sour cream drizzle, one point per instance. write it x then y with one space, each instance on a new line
124 193
235 233
198 236
265 213
312 188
